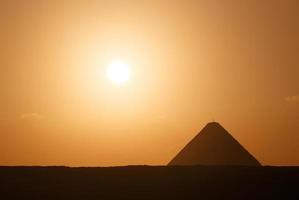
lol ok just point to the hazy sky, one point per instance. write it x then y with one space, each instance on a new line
236 62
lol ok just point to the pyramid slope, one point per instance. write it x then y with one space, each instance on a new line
214 146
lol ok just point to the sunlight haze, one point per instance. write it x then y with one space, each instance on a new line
104 83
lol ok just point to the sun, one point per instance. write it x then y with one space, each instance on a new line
118 72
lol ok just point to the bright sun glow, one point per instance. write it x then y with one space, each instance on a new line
118 72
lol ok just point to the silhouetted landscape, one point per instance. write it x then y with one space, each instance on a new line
149 99
212 166
145 182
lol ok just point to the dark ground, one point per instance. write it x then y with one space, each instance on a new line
144 182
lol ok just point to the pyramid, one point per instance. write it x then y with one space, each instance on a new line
214 146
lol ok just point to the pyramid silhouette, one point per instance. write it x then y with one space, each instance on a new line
214 146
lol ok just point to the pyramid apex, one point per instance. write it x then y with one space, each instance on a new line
213 123
210 124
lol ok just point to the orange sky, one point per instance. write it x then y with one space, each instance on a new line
191 62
